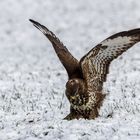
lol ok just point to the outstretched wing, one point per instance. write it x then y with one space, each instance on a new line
70 63
95 64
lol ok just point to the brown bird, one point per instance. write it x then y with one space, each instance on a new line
86 77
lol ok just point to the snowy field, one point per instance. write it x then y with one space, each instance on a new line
32 80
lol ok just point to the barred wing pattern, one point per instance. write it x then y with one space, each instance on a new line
95 64
70 63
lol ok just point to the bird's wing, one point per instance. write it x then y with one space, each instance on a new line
70 63
95 64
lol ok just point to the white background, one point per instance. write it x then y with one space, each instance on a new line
32 80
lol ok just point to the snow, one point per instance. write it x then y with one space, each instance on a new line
32 80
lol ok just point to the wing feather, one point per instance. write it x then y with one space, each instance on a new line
70 63
95 64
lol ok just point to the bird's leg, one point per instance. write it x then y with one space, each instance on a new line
94 113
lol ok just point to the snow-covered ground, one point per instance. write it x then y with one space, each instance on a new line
32 80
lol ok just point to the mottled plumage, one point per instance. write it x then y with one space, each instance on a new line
86 77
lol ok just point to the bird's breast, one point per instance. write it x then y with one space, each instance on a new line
92 100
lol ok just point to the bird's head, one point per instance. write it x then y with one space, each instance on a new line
75 91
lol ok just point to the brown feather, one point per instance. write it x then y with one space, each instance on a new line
85 84
70 63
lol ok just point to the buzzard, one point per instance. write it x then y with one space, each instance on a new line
86 77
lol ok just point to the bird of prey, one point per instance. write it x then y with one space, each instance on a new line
84 88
